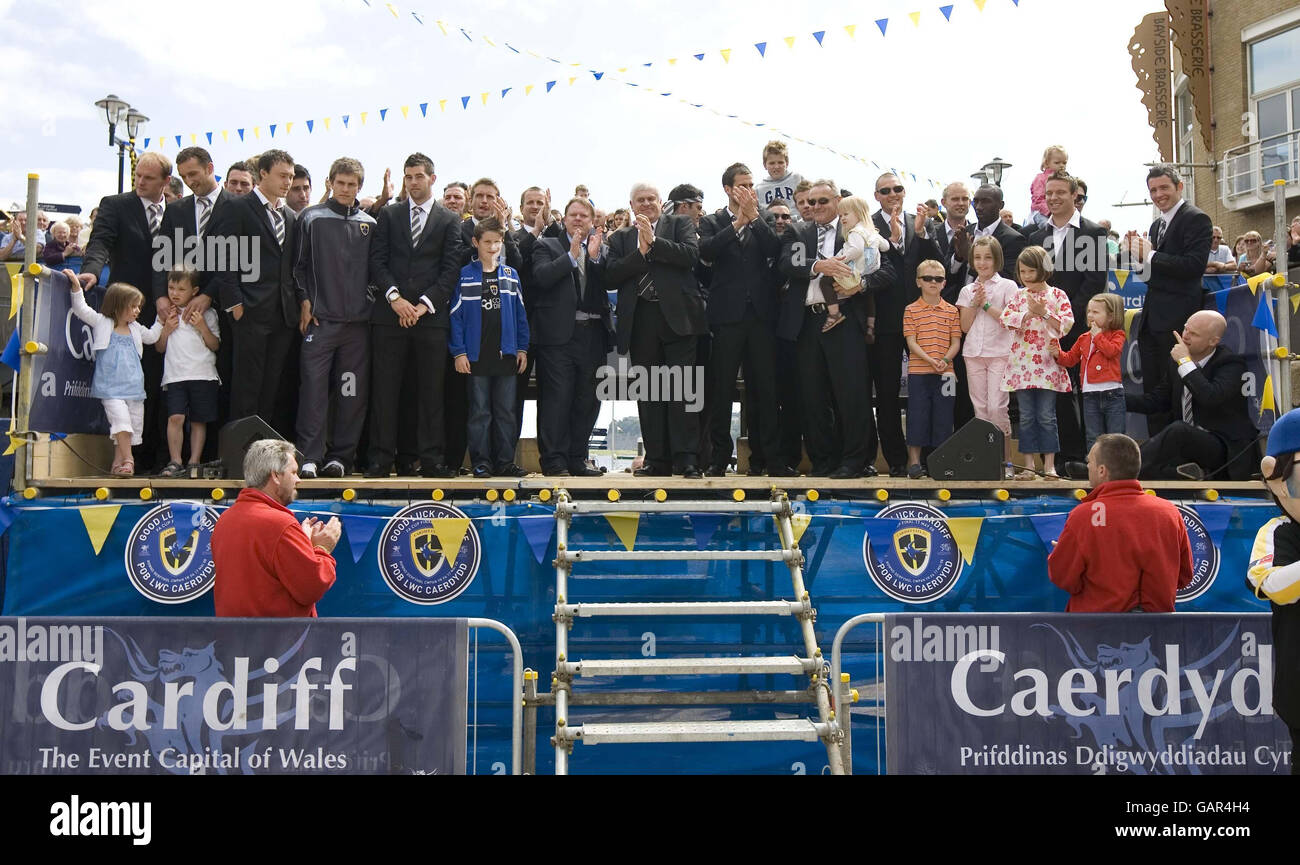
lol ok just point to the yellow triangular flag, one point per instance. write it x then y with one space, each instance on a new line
256 132
489 41
625 525
485 96
799 525
851 29
441 27
622 69
194 138
99 521
916 18
528 89
1266 402
1295 303
288 127
225 135
672 61
327 124
1128 321
571 80
363 117
391 9
726 55
15 293
405 108
1254 281
789 42
966 532
15 442
1121 277
451 534
979 4
442 105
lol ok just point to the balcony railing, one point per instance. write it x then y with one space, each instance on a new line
1249 170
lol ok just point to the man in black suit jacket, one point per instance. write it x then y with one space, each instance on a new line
1080 262
534 219
660 315
1171 259
571 333
894 287
987 204
123 239
832 364
262 301
415 263
1213 435
742 305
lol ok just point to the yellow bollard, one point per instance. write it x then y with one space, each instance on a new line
508 495
437 495
944 495
612 495
1001 495
661 495
101 493
349 494
146 493
218 494
544 495
492 495
882 495
738 495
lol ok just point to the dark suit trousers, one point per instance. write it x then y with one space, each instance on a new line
1153 351
420 353
1179 443
833 376
456 416
704 447
670 432
567 406
152 450
753 342
886 356
790 424
262 343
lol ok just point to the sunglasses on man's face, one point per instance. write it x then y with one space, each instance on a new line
885 190
933 278
782 216
820 202
1080 199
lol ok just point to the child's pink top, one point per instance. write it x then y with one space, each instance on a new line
1038 193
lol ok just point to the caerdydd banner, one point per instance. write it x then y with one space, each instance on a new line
190 696
1034 693
61 378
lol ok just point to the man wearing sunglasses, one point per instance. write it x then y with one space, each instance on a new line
782 217
894 285
832 364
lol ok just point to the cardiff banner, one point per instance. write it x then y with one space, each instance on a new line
189 696
61 377
1152 694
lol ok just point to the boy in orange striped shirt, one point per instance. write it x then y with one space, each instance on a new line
932 328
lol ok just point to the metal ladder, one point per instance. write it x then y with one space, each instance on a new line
810 664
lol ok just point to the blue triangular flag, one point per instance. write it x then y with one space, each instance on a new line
882 23
241 134
178 141
6 515
705 526
273 130
146 143
1049 527
417 18
762 48
360 529
699 56
1264 315
880 534
464 102
597 75
512 48
186 517
12 355
818 36
1216 518
549 85
947 12
537 531
209 134
505 90
424 108
1221 301
345 120
383 112
310 124
54 437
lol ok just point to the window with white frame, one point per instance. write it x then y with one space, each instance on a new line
1274 63
1184 151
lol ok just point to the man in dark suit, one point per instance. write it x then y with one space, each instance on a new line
1080 261
660 315
571 333
1171 259
1214 433
534 218
415 262
894 287
832 364
954 235
742 305
261 301
987 204
122 238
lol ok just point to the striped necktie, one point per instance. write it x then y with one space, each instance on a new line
277 222
822 231
1187 405
205 211
155 218
417 224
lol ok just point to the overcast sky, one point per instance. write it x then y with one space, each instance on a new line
938 98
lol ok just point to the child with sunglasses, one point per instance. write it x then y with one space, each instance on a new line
932 328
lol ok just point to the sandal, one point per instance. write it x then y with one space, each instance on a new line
832 321
124 469
172 470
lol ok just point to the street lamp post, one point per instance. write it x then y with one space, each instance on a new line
993 170
119 111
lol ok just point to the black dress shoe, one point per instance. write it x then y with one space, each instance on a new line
691 473
650 472
377 472
756 470
898 471
407 470
844 473
783 472
482 472
717 471
557 473
585 472
437 471
870 472
1075 471
510 470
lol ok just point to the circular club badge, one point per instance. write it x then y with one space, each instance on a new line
412 558
1205 556
169 552
919 560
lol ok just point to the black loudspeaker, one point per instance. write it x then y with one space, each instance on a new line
973 453
234 439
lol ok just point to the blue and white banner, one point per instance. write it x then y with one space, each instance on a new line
189 696
1082 694
61 400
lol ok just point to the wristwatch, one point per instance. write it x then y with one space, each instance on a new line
392 294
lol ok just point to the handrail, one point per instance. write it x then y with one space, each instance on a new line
1251 168
517 690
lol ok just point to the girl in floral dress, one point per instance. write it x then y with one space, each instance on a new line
1038 316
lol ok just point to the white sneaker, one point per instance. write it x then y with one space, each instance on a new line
307 471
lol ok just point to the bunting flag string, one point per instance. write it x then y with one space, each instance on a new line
98 520
625 526
359 530
538 532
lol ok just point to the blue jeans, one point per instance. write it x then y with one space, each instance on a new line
1103 412
491 427
1038 421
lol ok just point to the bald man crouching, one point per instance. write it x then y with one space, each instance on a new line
1212 433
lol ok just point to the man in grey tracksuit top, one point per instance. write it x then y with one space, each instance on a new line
334 297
